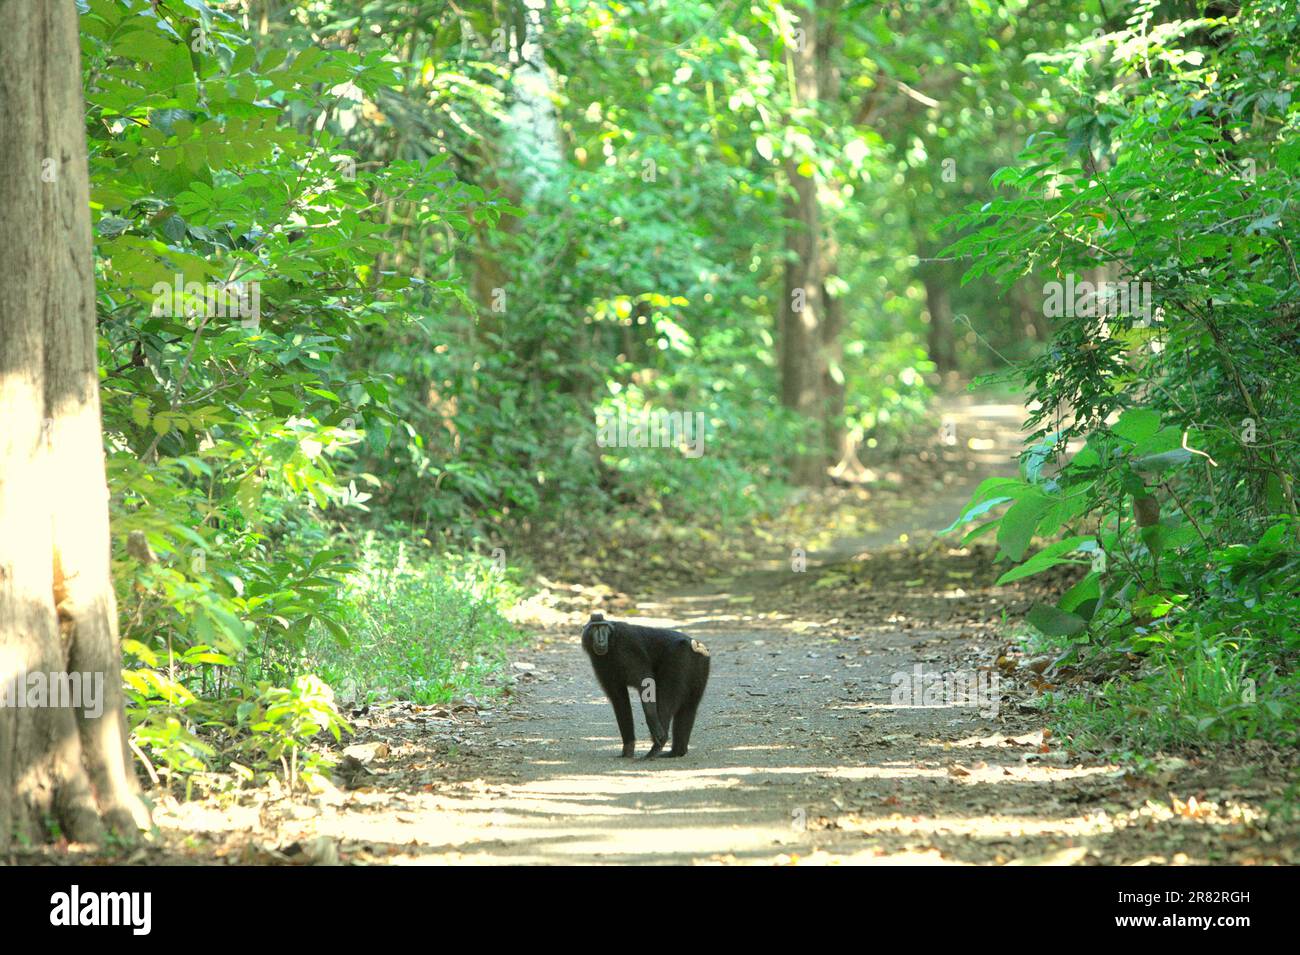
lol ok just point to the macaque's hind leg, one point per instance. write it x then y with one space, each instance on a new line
661 701
658 729
684 721
672 687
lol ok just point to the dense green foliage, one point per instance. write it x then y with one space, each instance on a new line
227 425
372 273
1177 172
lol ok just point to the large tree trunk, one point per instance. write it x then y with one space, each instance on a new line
803 360
58 765
532 130
522 164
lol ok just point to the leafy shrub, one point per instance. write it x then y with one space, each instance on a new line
1181 501
417 627
230 437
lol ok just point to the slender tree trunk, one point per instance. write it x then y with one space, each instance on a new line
938 303
833 377
1034 322
63 770
832 337
803 365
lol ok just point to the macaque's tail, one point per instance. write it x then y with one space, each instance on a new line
704 663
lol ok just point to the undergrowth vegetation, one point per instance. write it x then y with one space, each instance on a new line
1165 453
419 627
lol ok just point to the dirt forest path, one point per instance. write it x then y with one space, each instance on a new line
794 725
800 754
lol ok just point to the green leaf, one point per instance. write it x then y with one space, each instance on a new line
1078 596
1165 461
243 58
1055 622
990 493
1045 559
978 510
1019 523
1154 537
1136 424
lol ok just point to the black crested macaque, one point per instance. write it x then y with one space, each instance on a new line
666 668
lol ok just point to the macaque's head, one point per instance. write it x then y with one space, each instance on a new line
599 631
